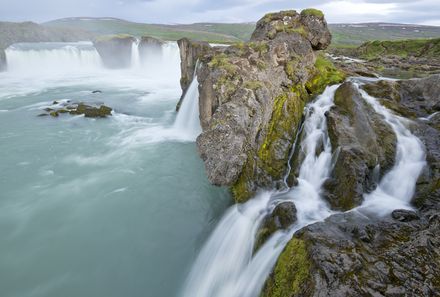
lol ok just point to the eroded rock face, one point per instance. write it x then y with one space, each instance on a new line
252 97
115 51
190 52
365 147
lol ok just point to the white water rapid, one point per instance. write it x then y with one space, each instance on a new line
226 266
397 187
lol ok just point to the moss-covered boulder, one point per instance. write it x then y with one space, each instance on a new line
252 97
89 110
365 147
115 50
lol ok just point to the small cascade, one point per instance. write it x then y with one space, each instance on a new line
52 57
187 121
135 55
226 266
397 187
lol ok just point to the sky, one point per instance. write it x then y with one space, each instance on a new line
425 12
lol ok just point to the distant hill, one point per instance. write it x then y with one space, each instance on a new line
31 32
343 34
221 33
356 34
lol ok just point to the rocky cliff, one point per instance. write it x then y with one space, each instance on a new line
252 97
115 50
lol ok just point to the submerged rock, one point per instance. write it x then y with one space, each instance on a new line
252 97
90 111
282 217
115 50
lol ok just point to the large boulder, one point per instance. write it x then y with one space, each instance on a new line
365 148
252 97
115 50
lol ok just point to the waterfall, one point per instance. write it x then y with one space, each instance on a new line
187 121
397 187
52 57
226 266
135 55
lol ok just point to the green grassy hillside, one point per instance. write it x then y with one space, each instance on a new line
344 35
427 48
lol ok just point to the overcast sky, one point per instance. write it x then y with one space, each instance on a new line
425 12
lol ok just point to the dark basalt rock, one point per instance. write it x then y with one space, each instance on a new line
404 215
115 50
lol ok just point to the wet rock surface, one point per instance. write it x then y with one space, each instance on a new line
364 146
89 110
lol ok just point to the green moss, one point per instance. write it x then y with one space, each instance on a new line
253 85
401 48
261 47
325 74
292 271
221 61
312 12
287 112
106 38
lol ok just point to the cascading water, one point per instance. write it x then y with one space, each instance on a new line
398 185
226 266
52 57
135 55
187 121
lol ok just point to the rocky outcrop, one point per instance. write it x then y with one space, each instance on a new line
115 50
364 144
190 53
252 97
67 107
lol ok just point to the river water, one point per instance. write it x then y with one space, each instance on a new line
98 207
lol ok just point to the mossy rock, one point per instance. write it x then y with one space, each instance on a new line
292 272
324 74
312 12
